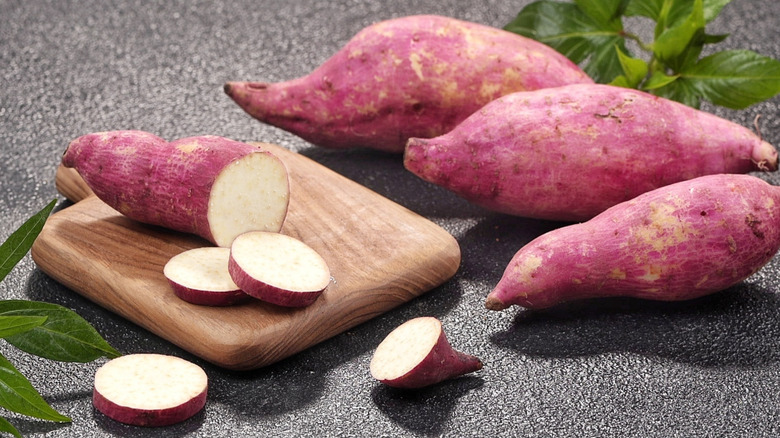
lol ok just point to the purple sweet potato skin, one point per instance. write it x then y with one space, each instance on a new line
154 181
415 76
677 242
570 153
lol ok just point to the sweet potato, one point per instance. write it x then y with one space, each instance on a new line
417 354
414 76
210 186
677 242
571 152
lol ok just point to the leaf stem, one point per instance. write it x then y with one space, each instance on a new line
635 38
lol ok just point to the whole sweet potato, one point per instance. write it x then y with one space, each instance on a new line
571 152
210 186
677 242
415 76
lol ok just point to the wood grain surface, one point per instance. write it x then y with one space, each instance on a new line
380 254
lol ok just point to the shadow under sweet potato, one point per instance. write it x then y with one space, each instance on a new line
738 327
426 410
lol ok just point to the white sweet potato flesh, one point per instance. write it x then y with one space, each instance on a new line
278 269
200 276
415 76
571 152
210 186
677 242
149 389
417 354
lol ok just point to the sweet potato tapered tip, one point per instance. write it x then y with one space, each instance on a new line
493 303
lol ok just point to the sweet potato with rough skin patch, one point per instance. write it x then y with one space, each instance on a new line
210 186
677 242
570 153
416 76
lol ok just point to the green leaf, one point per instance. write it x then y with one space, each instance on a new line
672 44
634 69
677 10
712 8
657 80
714 39
604 65
561 26
65 336
18 395
735 78
679 90
644 8
570 31
603 12
7 427
20 241
11 325
620 81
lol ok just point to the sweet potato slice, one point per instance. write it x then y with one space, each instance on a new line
417 354
278 269
150 389
200 276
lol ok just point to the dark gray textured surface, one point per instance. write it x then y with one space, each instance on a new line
709 367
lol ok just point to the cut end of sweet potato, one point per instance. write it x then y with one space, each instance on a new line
278 269
417 354
149 389
251 193
405 348
200 276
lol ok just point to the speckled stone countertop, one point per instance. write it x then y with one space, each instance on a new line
613 367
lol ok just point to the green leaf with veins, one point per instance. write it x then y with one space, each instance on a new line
64 336
20 241
677 9
570 31
43 329
634 70
11 325
18 395
591 33
735 78
672 45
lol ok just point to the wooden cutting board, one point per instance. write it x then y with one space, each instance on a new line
380 255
